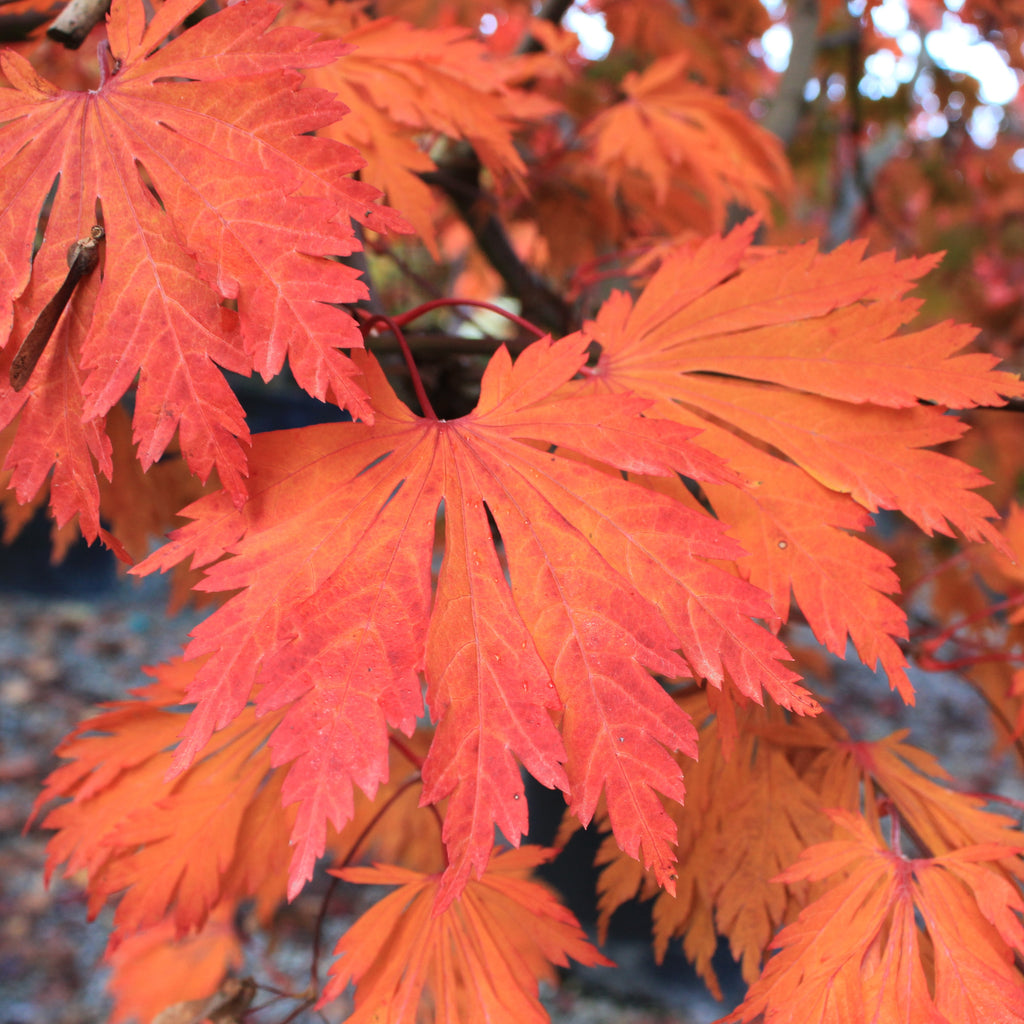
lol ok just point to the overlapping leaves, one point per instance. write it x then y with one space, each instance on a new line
670 129
606 583
406 86
858 953
792 368
480 959
219 211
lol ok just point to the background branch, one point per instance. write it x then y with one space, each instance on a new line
76 21
459 179
784 113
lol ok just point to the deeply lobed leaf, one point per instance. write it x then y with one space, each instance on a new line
857 954
606 581
480 959
195 159
177 849
792 369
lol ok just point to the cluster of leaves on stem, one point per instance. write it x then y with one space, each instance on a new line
589 573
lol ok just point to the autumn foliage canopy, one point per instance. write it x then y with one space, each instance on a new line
627 451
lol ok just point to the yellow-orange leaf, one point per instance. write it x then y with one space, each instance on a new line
748 814
675 132
154 968
479 960
857 955
175 846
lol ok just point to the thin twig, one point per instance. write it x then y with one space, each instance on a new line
414 314
417 381
318 929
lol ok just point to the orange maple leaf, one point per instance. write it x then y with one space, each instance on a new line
194 158
752 809
792 369
858 955
156 968
479 960
939 818
670 130
749 813
181 850
178 847
404 86
607 580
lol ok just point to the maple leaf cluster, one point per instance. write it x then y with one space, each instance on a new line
588 574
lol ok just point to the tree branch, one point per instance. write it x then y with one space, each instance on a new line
784 114
15 28
551 10
459 179
76 21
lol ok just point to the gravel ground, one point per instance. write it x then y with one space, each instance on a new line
58 657
61 655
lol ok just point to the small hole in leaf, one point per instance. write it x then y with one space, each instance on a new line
148 184
499 544
391 496
44 216
376 462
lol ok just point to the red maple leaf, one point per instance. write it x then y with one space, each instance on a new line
599 583
218 209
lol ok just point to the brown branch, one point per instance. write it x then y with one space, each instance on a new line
76 21
437 344
459 179
551 10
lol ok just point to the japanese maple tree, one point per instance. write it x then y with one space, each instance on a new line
622 411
